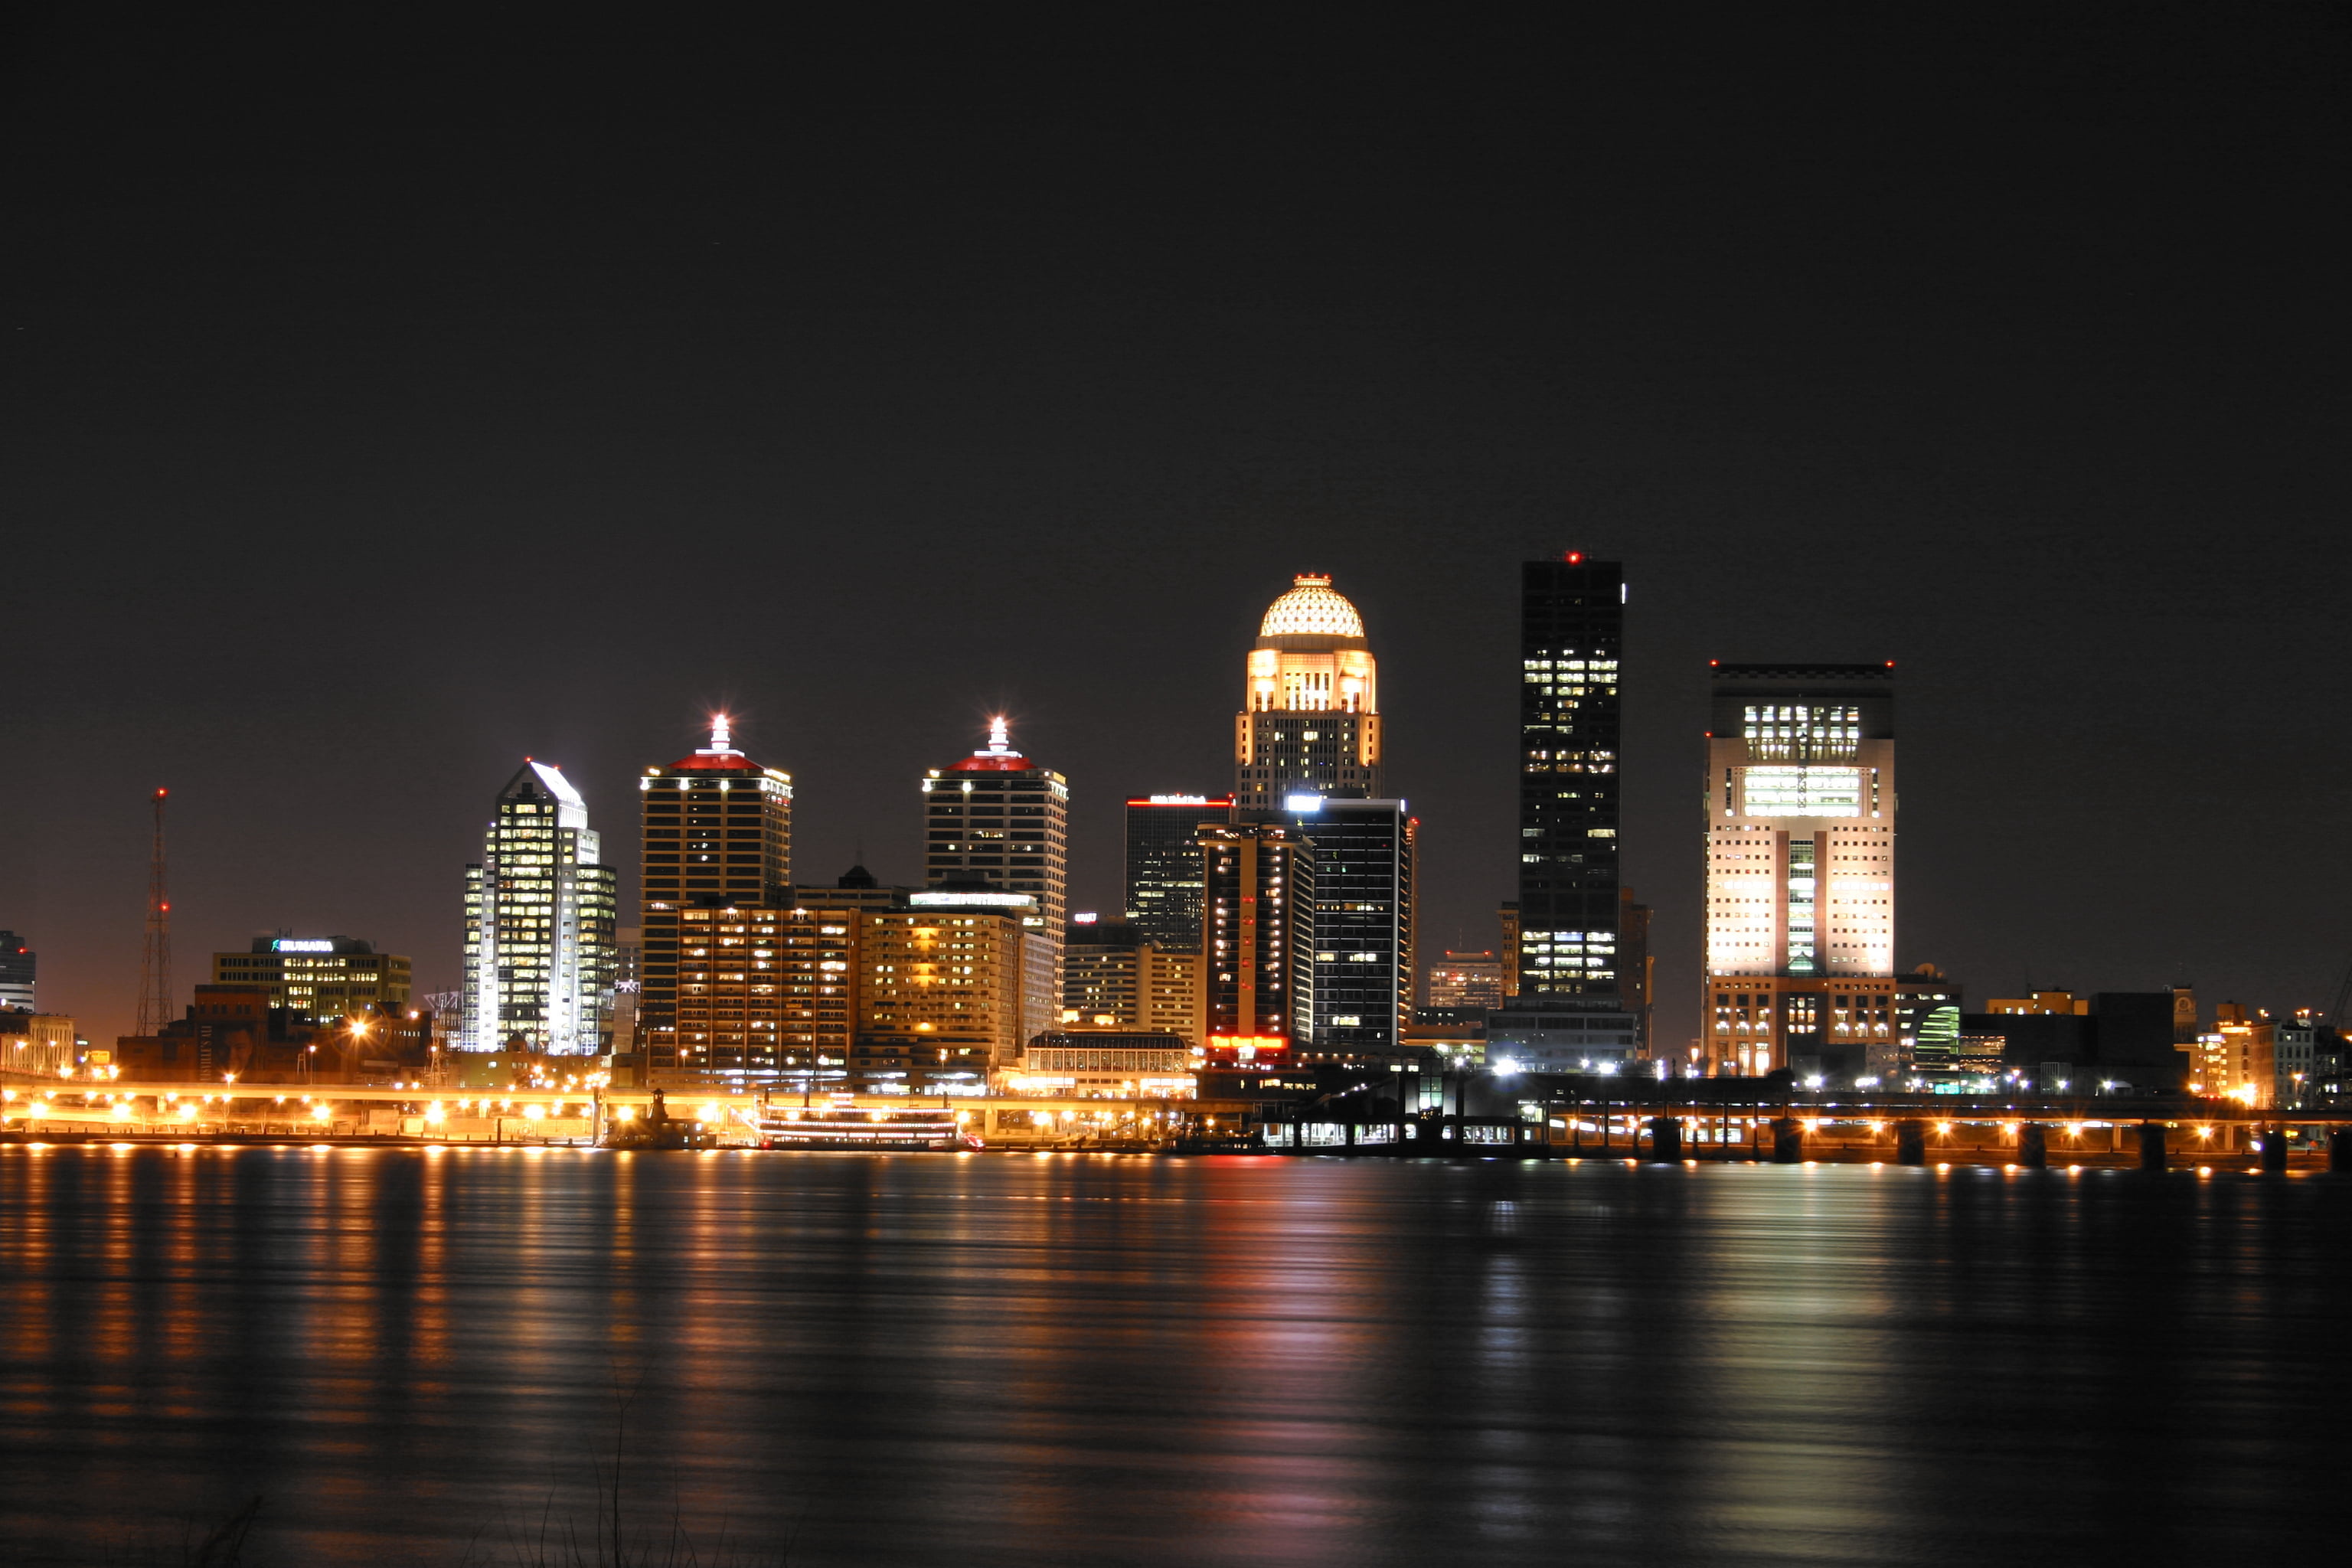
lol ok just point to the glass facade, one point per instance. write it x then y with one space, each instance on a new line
1163 866
1572 640
542 912
1363 858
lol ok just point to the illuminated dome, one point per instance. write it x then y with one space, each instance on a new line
1311 610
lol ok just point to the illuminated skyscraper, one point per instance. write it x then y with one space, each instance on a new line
1364 853
1571 637
1569 1010
1310 719
541 911
1258 953
1800 868
1163 866
997 821
717 836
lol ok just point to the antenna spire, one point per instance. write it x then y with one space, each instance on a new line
155 957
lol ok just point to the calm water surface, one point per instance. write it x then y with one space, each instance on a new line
415 1355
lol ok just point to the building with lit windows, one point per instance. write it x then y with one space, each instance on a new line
318 979
18 964
1364 861
1163 866
1258 943
939 991
1568 1011
1114 976
717 834
1464 979
541 911
1311 719
1799 933
997 821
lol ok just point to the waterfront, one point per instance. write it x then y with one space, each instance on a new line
414 1353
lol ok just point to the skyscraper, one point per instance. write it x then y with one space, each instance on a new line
1800 868
1571 637
717 835
1568 1008
1115 976
1465 980
18 963
1163 866
1258 948
996 820
1364 853
541 911
1311 719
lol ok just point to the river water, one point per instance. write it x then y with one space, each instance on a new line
436 1357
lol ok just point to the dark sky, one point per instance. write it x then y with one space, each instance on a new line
390 399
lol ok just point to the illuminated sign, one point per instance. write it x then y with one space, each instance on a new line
1302 802
1248 1048
1007 901
1178 800
1086 919
306 944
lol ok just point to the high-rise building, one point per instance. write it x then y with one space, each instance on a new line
1311 719
717 834
1800 939
941 991
1258 947
1114 976
318 979
1163 866
1569 1011
1364 853
17 967
1465 980
541 912
997 821
1572 640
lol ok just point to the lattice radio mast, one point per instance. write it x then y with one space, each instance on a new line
156 960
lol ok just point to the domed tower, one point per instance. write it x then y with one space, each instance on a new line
1311 719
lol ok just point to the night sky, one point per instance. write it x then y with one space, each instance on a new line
390 400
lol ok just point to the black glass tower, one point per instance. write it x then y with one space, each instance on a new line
1571 639
1163 866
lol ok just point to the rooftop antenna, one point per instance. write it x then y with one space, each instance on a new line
155 957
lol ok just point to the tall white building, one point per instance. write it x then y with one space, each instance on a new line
1801 868
997 826
1310 718
540 913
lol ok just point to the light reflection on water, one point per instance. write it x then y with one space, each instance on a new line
1002 1359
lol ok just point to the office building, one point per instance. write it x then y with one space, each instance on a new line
2108 1040
1569 1010
941 991
1464 979
1310 718
628 985
1800 917
717 834
996 821
318 979
18 964
1571 641
541 911
36 1042
2238 1057
1258 943
1114 976
1163 866
1364 916
1506 923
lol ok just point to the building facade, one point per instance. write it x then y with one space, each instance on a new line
941 993
717 834
542 910
1163 866
1115 976
1364 859
996 821
1310 718
1572 643
1799 915
1464 979
318 979
1258 943
18 964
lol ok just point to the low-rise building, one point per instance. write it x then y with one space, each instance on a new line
1104 1063
319 978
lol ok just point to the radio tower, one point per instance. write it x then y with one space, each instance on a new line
156 960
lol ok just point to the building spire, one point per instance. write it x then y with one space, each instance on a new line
721 739
1000 736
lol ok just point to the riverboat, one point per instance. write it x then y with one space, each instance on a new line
842 1125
